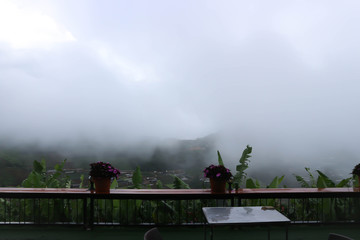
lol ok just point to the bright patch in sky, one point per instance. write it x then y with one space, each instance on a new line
123 67
25 28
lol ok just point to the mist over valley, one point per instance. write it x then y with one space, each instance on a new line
164 85
187 156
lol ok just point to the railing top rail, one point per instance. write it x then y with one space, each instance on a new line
180 193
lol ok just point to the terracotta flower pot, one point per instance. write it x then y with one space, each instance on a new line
217 186
102 185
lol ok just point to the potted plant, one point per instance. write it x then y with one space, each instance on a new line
101 174
218 176
356 172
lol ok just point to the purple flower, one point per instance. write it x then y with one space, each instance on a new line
219 172
104 170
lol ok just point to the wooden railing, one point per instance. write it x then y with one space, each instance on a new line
169 206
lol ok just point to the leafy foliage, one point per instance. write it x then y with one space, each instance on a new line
114 184
250 183
240 176
356 181
159 184
82 178
180 184
39 178
133 211
220 161
55 210
322 181
275 183
137 178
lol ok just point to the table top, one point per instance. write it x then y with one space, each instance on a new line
243 215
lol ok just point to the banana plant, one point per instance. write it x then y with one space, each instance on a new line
251 183
275 183
240 176
137 178
180 184
220 161
322 181
39 178
332 208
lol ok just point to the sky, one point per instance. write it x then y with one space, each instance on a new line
282 76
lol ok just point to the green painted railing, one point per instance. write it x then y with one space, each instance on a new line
169 206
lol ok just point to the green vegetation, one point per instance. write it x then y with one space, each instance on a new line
137 178
240 176
179 184
322 181
170 211
40 178
220 161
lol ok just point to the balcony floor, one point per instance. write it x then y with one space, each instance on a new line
303 232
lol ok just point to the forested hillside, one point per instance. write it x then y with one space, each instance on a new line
189 155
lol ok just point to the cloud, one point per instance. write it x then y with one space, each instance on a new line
23 28
124 67
276 76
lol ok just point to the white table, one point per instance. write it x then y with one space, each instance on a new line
243 216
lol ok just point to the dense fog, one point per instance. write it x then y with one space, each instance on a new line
281 76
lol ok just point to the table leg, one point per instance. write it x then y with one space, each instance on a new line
268 233
211 233
286 232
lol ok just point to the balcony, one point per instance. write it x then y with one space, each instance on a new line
318 232
312 211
